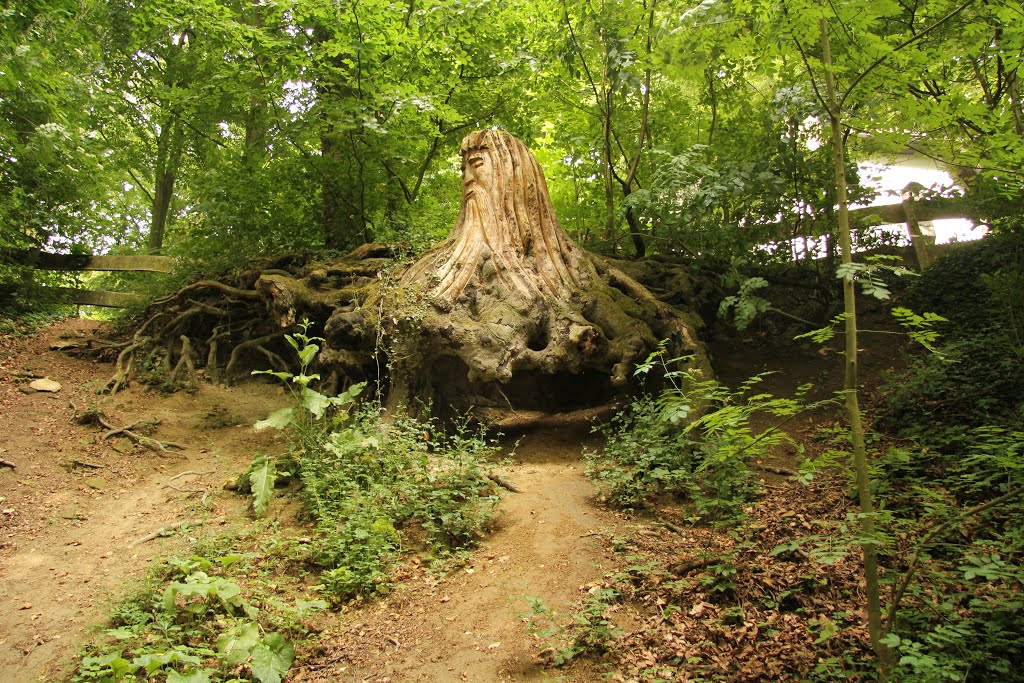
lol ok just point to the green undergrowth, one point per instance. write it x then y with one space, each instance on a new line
231 611
374 486
726 582
692 443
372 490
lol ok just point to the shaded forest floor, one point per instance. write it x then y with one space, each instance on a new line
79 512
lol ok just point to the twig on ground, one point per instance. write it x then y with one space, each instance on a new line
190 472
782 471
74 462
146 441
672 527
8 463
202 500
685 568
203 491
502 482
114 431
165 529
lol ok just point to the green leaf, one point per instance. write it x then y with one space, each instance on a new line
279 419
349 394
315 402
271 658
262 478
154 661
236 645
283 376
307 354
193 676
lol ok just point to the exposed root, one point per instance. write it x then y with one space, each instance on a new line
236 353
230 291
502 482
122 368
185 361
201 490
165 530
149 425
276 361
146 441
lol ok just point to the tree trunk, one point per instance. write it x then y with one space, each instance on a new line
342 213
851 385
508 313
165 174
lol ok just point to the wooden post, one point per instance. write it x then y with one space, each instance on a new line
919 240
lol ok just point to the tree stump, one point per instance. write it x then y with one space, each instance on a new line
506 317
508 313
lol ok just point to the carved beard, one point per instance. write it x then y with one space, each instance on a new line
474 247
507 236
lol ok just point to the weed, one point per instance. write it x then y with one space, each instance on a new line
190 623
691 442
366 481
589 632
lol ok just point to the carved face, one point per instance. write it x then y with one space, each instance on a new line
477 168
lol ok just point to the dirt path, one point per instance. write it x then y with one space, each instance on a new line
69 532
465 627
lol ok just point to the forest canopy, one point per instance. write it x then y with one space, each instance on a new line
219 130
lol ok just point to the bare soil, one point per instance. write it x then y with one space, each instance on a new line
76 505
75 510
71 533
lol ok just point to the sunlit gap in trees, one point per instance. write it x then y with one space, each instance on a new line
887 179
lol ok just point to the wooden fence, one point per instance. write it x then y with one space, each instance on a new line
910 211
82 262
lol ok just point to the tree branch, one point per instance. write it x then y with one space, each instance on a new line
901 587
909 41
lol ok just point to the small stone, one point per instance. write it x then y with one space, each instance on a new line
45 384
96 483
26 390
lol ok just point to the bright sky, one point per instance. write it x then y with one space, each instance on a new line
889 179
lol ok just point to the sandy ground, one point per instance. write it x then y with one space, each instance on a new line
76 507
76 504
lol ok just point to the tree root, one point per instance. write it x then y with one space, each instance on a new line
148 442
185 361
236 352
123 368
502 482
164 530
203 491
74 462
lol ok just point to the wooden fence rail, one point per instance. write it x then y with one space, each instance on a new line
82 262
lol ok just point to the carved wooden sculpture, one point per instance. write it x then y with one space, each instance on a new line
519 316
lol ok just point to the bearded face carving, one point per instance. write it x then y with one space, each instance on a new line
507 235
